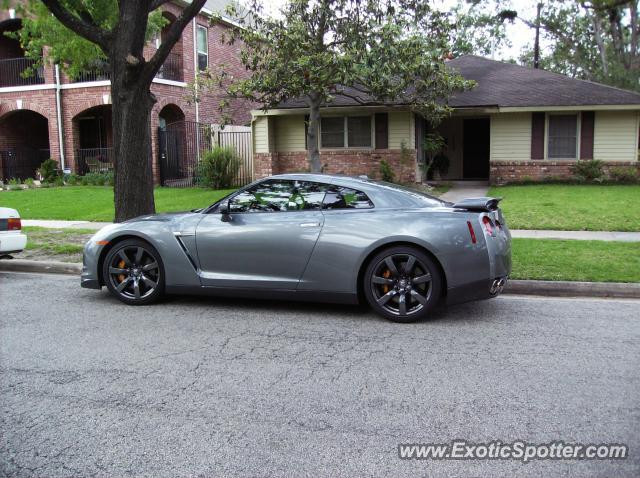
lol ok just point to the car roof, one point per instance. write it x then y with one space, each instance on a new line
382 194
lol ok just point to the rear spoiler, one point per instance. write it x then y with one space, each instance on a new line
478 204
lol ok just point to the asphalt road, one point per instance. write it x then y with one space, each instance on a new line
206 387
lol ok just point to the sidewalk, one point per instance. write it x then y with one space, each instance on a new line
577 235
461 191
53 224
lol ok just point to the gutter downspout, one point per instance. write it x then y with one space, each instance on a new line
195 84
59 117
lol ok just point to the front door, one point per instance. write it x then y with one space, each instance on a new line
267 240
475 148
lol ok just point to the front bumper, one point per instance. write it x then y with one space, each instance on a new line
12 242
89 279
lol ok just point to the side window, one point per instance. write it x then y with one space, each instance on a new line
339 197
202 47
279 196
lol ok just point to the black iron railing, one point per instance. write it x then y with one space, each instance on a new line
20 72
21 163
183 143
98 74
171 69
94 160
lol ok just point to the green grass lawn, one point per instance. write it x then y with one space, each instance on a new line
571 207
589 261
95 203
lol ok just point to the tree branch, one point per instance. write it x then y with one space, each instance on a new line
155 4
76 24
171 38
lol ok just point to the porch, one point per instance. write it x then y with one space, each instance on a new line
464 152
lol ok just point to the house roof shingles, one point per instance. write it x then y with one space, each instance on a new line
508 85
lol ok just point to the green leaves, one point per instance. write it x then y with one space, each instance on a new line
42 30
388 51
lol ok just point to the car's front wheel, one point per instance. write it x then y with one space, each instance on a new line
133 272
402 284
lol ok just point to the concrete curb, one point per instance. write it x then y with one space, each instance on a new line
517 287
51 267
573 289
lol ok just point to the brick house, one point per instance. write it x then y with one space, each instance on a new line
516 123
69 119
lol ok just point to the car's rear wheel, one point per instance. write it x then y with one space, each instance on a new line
133 272
402 284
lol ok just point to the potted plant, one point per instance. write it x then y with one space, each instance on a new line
433 145
440 166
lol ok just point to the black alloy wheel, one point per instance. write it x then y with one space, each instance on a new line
402 283
133 272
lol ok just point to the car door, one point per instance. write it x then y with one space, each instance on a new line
266 239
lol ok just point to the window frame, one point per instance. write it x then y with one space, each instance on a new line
215 207
345 132
578 117
206 45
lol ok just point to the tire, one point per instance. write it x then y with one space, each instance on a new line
134 273
402 284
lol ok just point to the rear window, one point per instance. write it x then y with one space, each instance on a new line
340 197
427 199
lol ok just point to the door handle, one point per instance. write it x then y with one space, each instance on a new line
310 224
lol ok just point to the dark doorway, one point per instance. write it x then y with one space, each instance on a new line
475 152
24 144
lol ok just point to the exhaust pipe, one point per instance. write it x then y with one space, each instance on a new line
497 286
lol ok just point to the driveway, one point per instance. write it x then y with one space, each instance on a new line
204 387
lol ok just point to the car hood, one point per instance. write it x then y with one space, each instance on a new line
162 217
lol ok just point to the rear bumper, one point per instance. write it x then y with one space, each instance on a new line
479 290
12 242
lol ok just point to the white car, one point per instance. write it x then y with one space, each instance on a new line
12 239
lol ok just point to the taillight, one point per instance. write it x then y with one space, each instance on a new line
14 224
488 225
473 234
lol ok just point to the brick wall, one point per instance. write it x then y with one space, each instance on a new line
503 172
75 101
40 101
349 162
228 56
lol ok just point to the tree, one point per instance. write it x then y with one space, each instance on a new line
84 31
479 26
595 40
369 51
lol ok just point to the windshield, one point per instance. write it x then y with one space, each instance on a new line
428 199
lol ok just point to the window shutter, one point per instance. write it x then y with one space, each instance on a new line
382 131
306 130
537 136
586 134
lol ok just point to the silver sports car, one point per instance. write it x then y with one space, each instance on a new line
311 237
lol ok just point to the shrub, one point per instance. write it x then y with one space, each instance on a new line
49 170
588 170
96 179
386 172
218 168
624 175
72 179
14 184
29 182
58 181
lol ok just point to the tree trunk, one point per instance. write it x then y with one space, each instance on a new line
313 151
132 103
133 190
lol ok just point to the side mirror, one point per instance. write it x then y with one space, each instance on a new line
224 210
